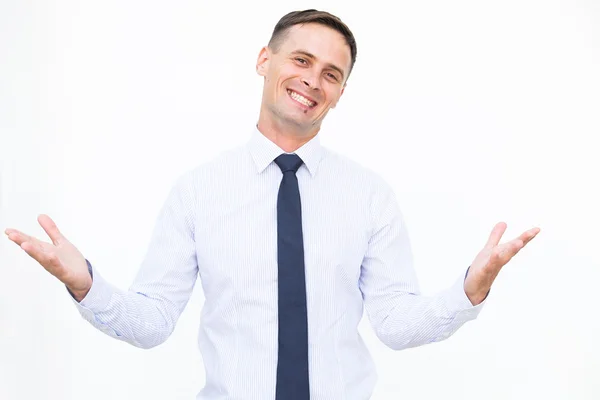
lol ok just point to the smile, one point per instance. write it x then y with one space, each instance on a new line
301 99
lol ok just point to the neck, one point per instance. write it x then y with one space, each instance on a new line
287 138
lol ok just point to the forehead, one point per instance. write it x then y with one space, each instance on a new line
327 44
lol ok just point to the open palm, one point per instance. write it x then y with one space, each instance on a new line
61 258
490 260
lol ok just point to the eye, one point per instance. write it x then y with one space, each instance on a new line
332 76
301 60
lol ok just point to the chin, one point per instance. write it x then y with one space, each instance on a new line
298 122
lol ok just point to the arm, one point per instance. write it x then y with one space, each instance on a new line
145 314
399 314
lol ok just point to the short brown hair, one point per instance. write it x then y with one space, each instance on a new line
312 16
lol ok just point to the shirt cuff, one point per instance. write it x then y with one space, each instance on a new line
459 304
96 300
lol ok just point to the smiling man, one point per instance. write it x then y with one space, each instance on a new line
290 241
305 65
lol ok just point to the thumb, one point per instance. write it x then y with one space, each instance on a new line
51 229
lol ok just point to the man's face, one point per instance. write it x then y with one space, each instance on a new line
306 77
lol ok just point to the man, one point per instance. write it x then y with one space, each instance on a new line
290 241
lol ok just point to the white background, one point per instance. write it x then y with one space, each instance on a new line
475 111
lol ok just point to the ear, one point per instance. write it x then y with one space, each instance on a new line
341 93
262 63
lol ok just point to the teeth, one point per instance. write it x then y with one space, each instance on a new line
301 99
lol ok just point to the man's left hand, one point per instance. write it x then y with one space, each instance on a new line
491 259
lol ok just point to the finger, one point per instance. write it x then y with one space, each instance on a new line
496 235
528 235
40 251
18 237
508 250
50 228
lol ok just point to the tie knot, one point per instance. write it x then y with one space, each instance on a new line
288 162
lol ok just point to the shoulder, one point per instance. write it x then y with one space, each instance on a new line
367 186
210 174
212 169
354 172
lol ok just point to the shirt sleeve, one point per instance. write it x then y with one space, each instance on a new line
145 314
400 315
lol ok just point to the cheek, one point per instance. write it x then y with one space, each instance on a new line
285 73
334 96
272 84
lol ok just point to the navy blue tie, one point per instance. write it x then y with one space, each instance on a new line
292 364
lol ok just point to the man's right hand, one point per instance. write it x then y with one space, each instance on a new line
60 257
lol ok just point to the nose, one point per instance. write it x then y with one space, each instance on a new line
311 82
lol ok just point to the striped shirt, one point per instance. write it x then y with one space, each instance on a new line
219 224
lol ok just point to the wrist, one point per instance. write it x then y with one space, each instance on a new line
78 294
477 297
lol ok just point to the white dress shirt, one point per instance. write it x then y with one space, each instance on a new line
219 224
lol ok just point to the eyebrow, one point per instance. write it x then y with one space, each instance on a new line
312 56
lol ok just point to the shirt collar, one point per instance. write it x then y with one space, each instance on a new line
264 151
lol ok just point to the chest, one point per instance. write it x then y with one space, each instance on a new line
237 240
